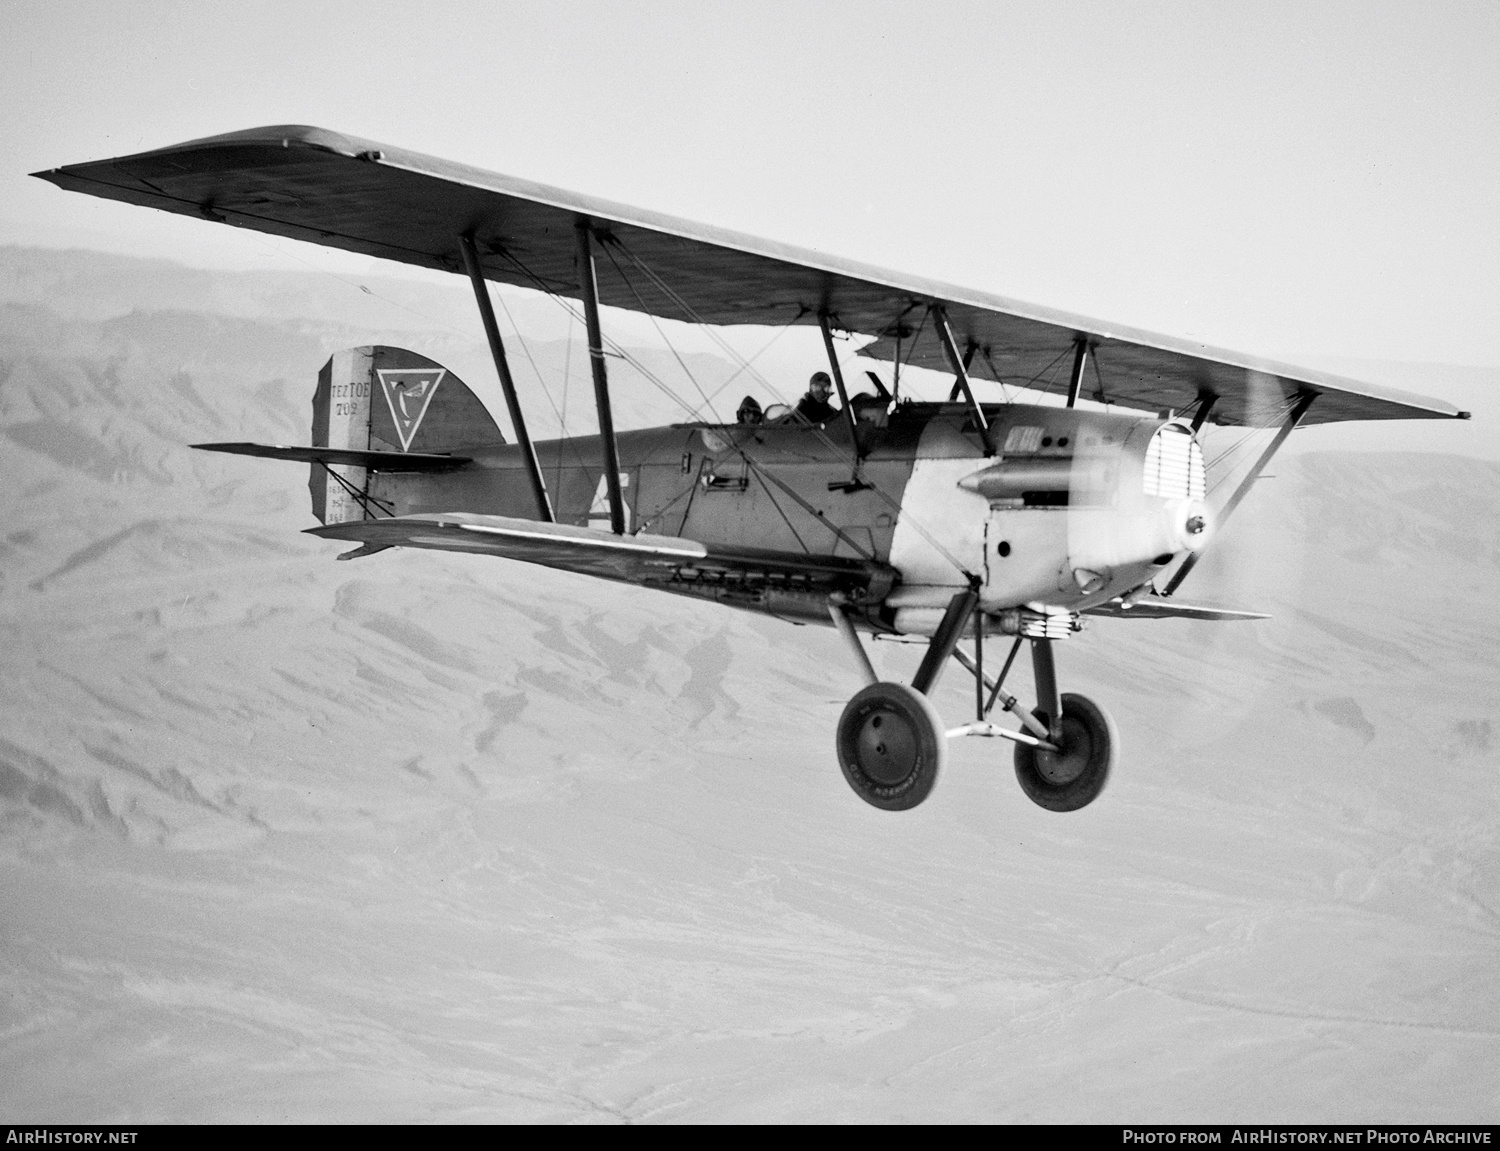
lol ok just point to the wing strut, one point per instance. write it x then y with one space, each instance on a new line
1206 402
588 288
960 369
507 384
1294 417
1080 361
838 382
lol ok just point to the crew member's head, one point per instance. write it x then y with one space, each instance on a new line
749 411
819 386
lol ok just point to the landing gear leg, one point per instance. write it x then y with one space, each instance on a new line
1083 733
1044 671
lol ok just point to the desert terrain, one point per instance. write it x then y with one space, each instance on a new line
442 838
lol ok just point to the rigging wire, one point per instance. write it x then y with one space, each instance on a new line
884 496
851 454
710 330
1251 431
467 336
784 519
613 346
1227 457
745 365
693 315
893 504
643 522
1225 463
546 391
759 469
776 335
680 362
1046 389
363 498
1100 395
994 371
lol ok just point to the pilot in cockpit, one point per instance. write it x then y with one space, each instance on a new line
814 406
749 411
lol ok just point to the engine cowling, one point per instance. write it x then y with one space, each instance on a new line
1073 509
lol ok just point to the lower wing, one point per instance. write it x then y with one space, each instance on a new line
1154 607
638 559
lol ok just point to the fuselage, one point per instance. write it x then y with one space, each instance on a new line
1051 508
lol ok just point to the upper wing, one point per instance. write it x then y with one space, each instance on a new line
633 559
315 185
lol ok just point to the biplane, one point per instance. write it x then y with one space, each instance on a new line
940 523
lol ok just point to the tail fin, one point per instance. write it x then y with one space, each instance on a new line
384 399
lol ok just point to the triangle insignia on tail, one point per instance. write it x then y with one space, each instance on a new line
408 392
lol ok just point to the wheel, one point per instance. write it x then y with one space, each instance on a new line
1073 777
891 746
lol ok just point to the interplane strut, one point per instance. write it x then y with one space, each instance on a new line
959 366
1294 417
588 288
507 384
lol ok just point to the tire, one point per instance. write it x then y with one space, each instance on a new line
1072 778
891 746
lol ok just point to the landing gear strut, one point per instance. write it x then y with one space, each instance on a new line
892 745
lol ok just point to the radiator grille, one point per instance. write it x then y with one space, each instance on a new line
1174 464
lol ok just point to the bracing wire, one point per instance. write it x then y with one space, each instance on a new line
687 371
745 365
1228 461
363 498
1100 395
776 335
467 335
624 354
784 518
995 372
561 415
612 345
1046 389
1249 436
880 492
729 349
692 314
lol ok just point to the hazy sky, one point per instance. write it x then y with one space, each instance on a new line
1270 177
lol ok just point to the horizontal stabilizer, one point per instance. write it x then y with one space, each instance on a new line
637 559
1155 607
349 457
